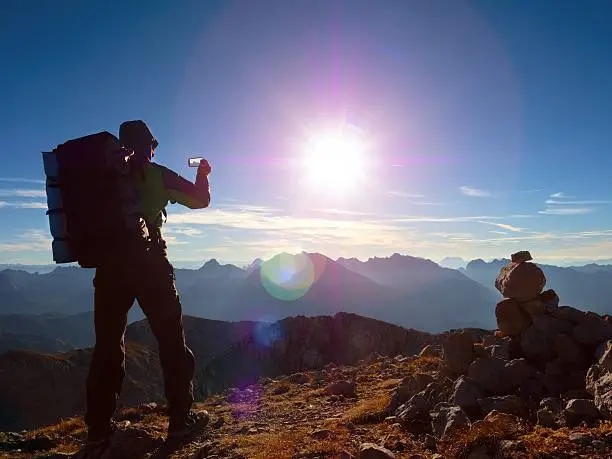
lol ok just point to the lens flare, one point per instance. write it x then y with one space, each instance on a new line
288 277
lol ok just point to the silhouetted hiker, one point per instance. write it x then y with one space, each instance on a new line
148 276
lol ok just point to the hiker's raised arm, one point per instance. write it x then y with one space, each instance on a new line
193 195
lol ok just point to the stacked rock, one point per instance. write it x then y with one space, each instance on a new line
521 283
547 363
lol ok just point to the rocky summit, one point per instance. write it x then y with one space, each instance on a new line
538 386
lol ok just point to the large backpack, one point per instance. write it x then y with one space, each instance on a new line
93 210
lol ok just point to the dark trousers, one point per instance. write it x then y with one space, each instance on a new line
149 279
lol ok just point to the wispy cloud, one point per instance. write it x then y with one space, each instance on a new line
22 193
23 205
184 230
560 194
504 226
20 180
30 240
475 192
457 219
561 204
566 211
403 194
574 203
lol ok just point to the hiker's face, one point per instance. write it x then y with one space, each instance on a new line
144 151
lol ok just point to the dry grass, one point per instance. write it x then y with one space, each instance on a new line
488 433
289 443
64 428
368 411
545 441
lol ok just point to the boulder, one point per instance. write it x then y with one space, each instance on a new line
407 388
418 407
537 341
567 351
373 451
520 281
592 331
445 418
521 257
488 373
533 307
533 388
510 404
465 394
550 299
516 372
578 410
511 319
569 314
458 352
599 381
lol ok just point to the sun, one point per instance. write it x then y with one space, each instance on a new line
335 159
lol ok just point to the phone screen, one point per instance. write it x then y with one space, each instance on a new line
194 162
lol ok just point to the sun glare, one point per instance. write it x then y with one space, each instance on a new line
335 159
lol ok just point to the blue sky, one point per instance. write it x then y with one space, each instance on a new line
488 123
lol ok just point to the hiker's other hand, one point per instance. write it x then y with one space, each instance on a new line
204 167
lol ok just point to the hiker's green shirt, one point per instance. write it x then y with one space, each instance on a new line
157 185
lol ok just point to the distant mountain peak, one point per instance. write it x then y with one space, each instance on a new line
212 263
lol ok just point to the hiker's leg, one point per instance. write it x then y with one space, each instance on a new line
112 301
160 302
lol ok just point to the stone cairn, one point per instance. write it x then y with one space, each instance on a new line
546 364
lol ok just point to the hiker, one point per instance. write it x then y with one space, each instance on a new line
144 274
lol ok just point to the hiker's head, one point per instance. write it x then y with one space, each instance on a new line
137 137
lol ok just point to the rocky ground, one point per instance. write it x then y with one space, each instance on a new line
372 410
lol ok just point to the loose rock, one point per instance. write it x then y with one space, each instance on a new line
520 281
445 418
458 353
578 410
372 451
344 388
511 319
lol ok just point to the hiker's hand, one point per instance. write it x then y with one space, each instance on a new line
204 167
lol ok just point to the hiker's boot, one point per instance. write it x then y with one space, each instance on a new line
98 442
194 421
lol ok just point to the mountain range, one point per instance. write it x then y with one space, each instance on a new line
52 311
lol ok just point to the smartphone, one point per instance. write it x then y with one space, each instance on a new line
194 162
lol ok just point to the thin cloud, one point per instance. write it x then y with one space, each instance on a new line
22 193
23 205
560 194
475 192
459 219
566 211
403 194
30 240
504 226
20 180
574 203
185 231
